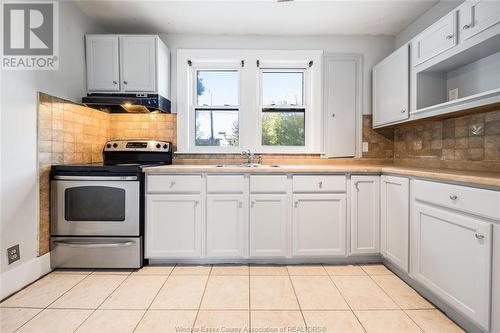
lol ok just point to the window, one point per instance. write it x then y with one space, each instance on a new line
216 107
283 109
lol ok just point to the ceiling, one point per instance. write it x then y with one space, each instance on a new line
258 17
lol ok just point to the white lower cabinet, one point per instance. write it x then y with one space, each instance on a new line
226 225
173 226
451 256
268 225
318 225
365 217
394 220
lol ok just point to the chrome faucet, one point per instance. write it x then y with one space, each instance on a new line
248 154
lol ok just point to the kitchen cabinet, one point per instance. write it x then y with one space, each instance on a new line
365 217
436 39
451 256
478 16
173 226
227 221
391 88
127 64
318 225
268 225
102 63
394 219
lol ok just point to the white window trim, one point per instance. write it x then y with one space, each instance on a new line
249 108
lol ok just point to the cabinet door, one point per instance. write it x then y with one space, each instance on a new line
391 88
365 218
477 16
226 225
318 225
138 63
102 63
268 225
436 39
173 226
394 219
451 256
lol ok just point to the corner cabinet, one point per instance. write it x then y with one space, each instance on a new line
391 88
127 64
394 220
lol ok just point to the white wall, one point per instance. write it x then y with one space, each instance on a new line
373 49
19 188
425 20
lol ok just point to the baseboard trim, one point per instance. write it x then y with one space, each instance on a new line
19 277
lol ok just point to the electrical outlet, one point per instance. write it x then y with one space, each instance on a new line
452 94
365 147
13 253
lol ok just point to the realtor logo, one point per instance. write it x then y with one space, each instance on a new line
30 35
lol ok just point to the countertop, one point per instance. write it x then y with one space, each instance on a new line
482 178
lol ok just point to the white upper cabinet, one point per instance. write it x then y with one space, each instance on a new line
102 63
391 88
394 220
127 64
436 39
138 63
477 16
365 218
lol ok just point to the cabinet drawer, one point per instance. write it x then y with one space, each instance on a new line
319 184
226 184
471 200
268 184
173 184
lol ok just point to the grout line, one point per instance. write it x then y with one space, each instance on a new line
202 296
296 298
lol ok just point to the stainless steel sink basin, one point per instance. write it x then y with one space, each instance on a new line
246 165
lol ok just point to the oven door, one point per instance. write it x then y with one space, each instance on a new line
95 206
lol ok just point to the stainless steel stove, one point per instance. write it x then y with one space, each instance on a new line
97 210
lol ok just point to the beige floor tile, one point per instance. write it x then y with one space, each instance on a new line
344 270
401 293
306 270
181 292
332 321
13 318
361 293
215 321
112 271
136 292
318 293
433 321
111 321
55 321
277 321
226 292
268 270
376 269
387 322
272 293
44 291
166 321
230 270
72 271
154 270
89 293
191 270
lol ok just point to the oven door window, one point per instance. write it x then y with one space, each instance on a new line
94 203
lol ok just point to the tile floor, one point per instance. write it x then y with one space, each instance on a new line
321 298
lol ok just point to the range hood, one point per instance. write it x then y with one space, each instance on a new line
127 103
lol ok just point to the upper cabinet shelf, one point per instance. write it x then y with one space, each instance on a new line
127 64
455 65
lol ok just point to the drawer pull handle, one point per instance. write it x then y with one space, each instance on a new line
403 111
252 204
467 26
453 197
356 185
320 184
479 236
449 37
296 204
125 82
114 82
240 204
172 184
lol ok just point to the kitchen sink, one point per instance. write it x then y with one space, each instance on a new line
247 165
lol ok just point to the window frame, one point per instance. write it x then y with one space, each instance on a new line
193 104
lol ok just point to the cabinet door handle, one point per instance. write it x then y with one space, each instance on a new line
333 115
125 82
252 204
449 37
196 203
296 204
114 82
320 184
240 204
403 111
479 236
356 185
453 197
467 26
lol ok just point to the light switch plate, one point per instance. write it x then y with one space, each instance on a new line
365 147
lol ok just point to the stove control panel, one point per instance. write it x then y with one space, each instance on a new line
138 145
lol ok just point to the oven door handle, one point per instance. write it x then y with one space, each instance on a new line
95 177
93 244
